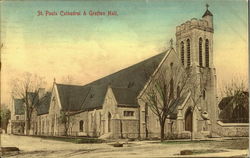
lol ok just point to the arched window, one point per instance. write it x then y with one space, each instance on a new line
171 94
207 52
200 52
178 93
182 53
188 53
81 126
204 94
171 65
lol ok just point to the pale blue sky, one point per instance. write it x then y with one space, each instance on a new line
55 46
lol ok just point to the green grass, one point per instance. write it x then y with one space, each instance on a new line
238 144
185 142
77 140
204 151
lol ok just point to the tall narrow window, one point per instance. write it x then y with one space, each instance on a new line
204 94
146 119
188 53
171 94
81 126
207 52
182 53
200 52
178 92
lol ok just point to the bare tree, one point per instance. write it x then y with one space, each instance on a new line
4 117
167 87
234 87
237 90
27 88
68 79
67 120
65 117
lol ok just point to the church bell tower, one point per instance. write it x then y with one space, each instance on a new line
194 41
194 45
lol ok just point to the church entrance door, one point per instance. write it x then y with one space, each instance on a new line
189 120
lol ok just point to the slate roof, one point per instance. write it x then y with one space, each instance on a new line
43 107
125 96
19 106
72 96
126 85
95 97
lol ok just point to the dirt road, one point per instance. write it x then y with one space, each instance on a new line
43 148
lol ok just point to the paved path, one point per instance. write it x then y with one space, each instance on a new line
41 148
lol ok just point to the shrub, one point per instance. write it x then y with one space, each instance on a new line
171 136
88 140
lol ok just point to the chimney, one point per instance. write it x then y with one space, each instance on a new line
41 92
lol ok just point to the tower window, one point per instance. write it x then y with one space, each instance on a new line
204 94
171 65
171 94
188 53
207 52
200 52
178 92
182 53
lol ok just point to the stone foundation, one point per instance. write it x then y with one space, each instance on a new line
232 129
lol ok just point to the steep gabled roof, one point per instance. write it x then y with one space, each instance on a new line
125 96
95 97
72 96
43 107
131 81
19 106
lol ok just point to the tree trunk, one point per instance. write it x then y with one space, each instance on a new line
27 129
66 129
28 121
162 124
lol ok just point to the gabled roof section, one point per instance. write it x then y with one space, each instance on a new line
133 77
125 96
131 81
72 96
33 98
19 106
95 98
43 107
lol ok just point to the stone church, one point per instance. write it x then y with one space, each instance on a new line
114 106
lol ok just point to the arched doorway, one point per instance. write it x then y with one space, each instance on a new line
189 120
109 122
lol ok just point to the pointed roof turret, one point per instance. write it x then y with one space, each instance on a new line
207 13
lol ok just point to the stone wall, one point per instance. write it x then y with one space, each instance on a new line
232 129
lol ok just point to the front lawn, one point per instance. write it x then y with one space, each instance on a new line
236 143
77 140
185 141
